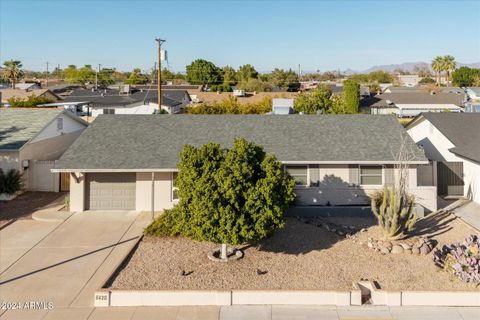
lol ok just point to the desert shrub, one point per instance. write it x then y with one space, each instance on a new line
461 259
231 105
31 101
164 226
11 182
66 202
393 211
229 196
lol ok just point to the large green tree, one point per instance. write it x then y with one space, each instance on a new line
106 77
246 72
311 102
227 196
136 77
203 72
286 80
465 77
437 67
12 71
82 76
449 65
229 76
351 94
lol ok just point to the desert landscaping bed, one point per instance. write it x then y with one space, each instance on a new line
301 256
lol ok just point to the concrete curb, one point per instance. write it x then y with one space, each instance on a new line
135 298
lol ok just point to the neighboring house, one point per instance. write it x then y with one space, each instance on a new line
111 101
472 97
423 89
32 139
27 86
282 106
409 80
335 159
412 104
452 142
7 94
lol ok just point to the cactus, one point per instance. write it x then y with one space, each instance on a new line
394 212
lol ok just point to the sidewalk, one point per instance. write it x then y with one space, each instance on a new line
468 211
250 313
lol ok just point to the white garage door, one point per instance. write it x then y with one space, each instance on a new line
110 191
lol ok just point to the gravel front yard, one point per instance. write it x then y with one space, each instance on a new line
301 256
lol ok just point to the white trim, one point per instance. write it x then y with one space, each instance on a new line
113 170
353 162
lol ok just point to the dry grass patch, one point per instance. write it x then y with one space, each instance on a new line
301 256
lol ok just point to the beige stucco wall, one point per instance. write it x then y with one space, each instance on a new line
48 149
329 184
77 192
162 191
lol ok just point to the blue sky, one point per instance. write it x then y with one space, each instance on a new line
318 35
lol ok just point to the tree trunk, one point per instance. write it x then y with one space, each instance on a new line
223 252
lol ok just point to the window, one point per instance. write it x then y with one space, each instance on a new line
371 175
174 186
108 111
59 124
299 173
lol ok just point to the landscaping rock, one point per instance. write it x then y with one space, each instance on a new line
405 246
425 249
397 249
415 250
384 250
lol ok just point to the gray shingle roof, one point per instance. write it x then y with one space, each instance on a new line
414 98
154 142
462 129
18 126
112 98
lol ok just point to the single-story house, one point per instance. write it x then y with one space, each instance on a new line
472 97
412 104
31 140
7 94
409 80
129 162
111 101
27 86
452 142
473 93
422 89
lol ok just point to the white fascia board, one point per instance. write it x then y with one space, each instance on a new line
354 162
113 170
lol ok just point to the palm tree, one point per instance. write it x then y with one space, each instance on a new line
437 66
449 65
12 71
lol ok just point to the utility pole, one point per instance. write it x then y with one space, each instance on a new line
96 77
159 73
154 80
47 76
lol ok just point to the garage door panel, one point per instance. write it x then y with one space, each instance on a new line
111 191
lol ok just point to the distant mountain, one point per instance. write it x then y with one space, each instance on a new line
410 66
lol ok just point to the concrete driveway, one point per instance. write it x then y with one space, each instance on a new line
64 262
